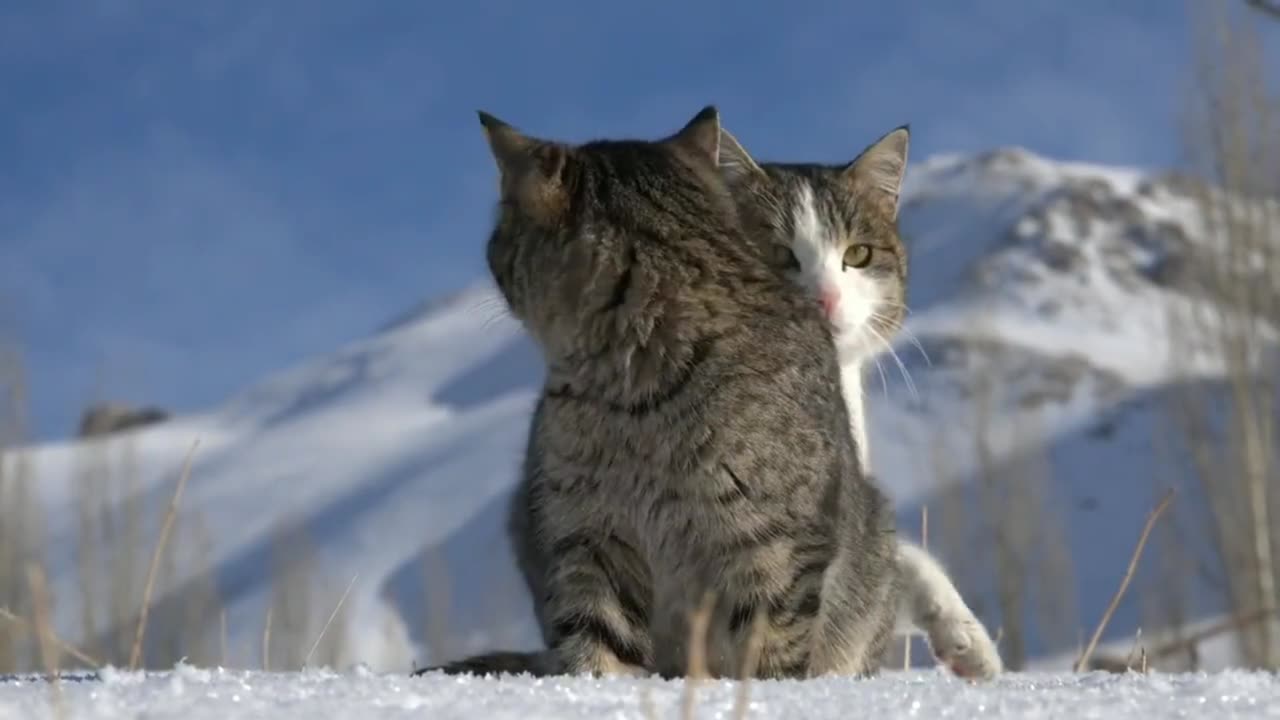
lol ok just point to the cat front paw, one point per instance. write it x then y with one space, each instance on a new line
965 647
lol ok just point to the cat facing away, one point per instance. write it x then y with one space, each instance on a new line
834 229
690 443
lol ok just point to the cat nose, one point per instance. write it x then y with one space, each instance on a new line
830 299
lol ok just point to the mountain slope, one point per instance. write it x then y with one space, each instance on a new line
1040 295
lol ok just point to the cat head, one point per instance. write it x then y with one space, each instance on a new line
835 228
588 238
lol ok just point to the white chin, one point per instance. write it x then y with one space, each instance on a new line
849 341
844 332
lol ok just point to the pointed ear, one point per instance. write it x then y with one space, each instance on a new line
531 170
736 164
877 173
700 137
511 149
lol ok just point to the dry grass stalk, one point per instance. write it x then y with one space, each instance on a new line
198 639
90 505
436 592
696 670
1183 643
20 510
63 645
1232 623
44 634
1233 138
306 660
750 665
1137 637
135 655
293 597
1152 517
924 545
1009 505
1236 622
266 641
222 638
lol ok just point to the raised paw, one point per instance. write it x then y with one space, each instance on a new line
963 645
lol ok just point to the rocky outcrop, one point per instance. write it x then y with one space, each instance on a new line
108 418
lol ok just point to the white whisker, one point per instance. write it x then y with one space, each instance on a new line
485 304
911 338
494 317
895 305
884 380
902 367
493 309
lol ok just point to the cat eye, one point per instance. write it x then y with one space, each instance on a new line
857 256
784 257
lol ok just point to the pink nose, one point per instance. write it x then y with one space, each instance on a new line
830 299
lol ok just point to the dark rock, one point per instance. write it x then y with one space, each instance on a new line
107 418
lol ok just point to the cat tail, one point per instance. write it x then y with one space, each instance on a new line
537 664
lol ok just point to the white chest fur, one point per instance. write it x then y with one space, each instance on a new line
851 383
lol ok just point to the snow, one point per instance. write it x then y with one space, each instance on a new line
194 694
398 451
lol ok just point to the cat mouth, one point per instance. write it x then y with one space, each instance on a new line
836 324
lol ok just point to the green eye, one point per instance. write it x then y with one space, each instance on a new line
857 256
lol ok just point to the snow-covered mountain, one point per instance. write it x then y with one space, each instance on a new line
1026 402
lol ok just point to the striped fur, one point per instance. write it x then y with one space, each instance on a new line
691 440
834 228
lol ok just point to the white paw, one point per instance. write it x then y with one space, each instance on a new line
963 645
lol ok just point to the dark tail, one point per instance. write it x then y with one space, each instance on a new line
537 664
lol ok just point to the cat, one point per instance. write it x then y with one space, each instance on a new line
834 230
690 442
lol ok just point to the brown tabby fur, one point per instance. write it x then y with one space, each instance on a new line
691 437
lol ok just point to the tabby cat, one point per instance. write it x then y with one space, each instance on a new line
834 229
691 440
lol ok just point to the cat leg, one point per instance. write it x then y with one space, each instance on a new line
588 594
596 607
761 597
802 618
851 633
930 602
528 551
775 624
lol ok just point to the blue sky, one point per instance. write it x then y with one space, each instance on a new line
195 194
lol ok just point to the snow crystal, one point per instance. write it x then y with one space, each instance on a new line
189 694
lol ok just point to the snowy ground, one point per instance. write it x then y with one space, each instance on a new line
193 694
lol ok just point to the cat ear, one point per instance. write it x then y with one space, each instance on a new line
511 149
736 164
700 137
877 173
531 170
